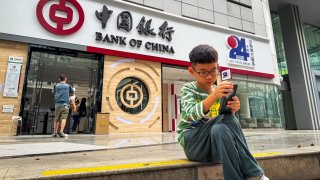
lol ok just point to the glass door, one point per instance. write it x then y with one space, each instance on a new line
34 91
44 67
92 94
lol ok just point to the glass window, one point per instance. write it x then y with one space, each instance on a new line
260 105
278 39
132 95
312 37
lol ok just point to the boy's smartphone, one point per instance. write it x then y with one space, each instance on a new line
233 93
224 101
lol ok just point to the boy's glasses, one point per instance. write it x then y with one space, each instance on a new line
206 73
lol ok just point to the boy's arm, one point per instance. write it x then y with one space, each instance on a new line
234 105
223 89
192 109
208 102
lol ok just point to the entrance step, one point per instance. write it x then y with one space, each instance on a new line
283 164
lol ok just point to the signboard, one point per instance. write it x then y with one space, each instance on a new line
11 84
121 29
13 59
225 75
144 28
241 51
7 108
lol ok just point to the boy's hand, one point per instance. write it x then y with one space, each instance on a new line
234 105
223 89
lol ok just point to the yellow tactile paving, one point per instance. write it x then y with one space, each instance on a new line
263 154
131 166
113 167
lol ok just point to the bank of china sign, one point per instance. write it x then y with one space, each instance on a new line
124 22
144 28
241 51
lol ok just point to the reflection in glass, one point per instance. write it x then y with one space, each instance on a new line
260 105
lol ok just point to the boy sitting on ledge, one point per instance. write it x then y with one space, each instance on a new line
206 136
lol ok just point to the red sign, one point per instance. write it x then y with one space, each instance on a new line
60 21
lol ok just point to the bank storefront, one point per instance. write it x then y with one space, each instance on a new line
127 61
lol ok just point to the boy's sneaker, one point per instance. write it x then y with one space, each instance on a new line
63 135
260 177
54 135
263 177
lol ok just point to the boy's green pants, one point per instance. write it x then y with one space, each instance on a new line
221 140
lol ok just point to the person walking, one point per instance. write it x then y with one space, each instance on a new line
62 92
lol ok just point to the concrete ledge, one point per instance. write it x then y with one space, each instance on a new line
289 165
304 166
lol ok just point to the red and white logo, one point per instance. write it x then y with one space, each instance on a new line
62 26
241 51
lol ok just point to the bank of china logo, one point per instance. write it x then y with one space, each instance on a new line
60 25
241 51
131 96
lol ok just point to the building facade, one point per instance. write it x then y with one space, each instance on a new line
297 37
129 59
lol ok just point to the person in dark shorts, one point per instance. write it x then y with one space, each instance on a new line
62 92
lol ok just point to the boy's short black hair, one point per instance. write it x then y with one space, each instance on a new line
62 77
203 54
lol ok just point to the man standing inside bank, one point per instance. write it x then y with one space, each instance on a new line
205 135
62 92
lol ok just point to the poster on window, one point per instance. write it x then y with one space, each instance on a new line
11 84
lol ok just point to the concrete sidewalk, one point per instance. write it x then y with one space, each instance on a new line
42 156
19 146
